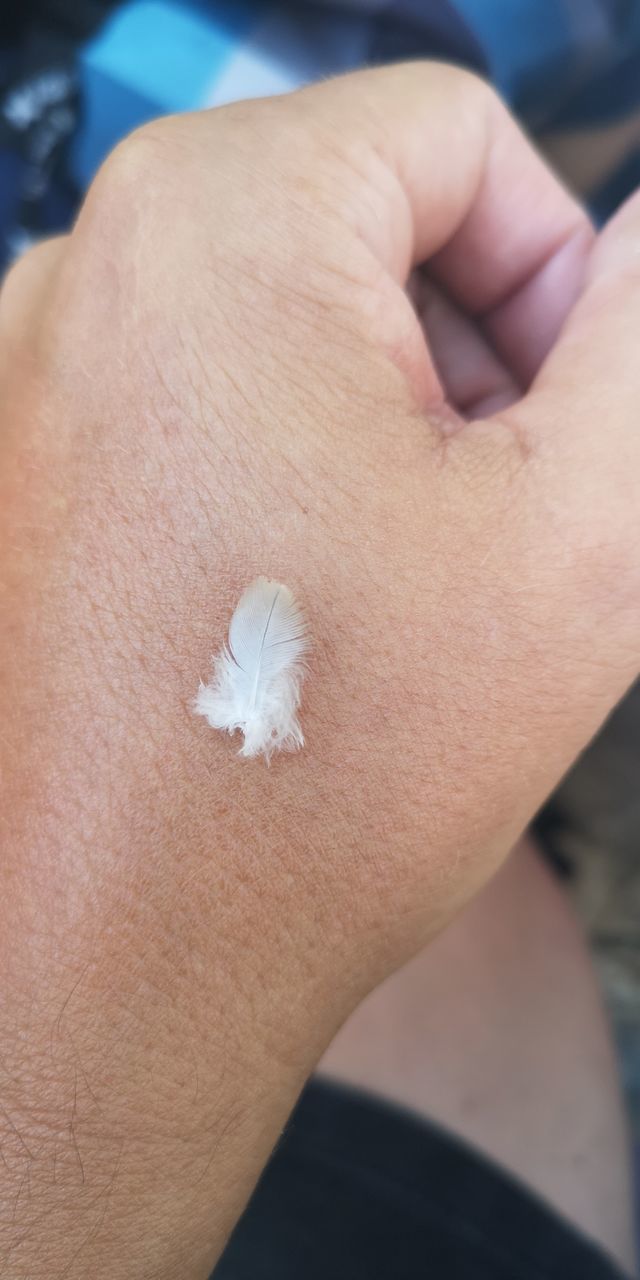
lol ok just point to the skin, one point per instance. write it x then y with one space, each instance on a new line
219 374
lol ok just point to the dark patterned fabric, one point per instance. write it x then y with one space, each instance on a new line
77 75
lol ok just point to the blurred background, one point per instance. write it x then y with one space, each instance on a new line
77 75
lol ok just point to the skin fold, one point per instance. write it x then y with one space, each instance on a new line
220 374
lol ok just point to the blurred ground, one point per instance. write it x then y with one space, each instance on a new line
593 828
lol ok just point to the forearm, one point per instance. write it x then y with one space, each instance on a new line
148 874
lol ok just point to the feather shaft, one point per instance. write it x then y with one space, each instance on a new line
258 674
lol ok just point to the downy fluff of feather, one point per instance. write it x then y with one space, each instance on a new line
257 676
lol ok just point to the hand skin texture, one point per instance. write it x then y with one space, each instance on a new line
219 374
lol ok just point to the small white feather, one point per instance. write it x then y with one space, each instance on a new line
258 674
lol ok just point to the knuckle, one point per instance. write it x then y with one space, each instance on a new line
448 81
471 85
467 96
454 77
136 170
139 156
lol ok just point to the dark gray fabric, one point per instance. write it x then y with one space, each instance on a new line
361 1190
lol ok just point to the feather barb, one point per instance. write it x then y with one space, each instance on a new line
257 676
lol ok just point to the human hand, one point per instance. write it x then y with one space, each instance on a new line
219 375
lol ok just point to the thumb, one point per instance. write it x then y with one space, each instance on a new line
580 427
583 409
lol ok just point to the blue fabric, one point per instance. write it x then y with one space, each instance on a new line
150 58
562 64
